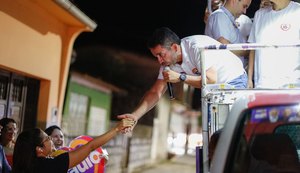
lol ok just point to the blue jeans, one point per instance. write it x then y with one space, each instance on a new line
239 82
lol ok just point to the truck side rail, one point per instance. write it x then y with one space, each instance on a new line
245 46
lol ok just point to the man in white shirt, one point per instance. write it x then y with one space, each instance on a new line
276 24
182 56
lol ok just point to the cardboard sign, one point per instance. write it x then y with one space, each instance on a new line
94 163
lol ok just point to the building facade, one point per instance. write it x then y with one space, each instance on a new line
36 44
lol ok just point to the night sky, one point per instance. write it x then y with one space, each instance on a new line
128 24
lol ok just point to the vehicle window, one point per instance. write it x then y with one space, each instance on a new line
292 130
270 141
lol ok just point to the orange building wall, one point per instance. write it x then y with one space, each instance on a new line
37 44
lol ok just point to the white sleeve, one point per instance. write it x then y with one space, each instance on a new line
160 76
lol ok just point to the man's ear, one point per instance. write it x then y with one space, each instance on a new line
175 46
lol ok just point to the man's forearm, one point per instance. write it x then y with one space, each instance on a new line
194 81
251 64
236 52
240 52
149 100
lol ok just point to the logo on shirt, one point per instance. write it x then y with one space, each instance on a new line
285 27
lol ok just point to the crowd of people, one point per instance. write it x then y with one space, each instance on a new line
31 151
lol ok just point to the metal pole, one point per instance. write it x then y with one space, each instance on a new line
204 114
249 46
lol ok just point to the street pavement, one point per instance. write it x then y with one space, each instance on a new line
178 164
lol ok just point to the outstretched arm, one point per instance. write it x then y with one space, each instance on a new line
149 100
76 156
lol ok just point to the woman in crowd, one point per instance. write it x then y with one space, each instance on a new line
4 166
7 137
57 136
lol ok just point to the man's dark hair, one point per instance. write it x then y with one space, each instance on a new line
163 36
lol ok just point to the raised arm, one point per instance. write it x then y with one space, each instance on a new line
195 81
76 156
148 101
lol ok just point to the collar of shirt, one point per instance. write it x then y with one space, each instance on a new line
229 15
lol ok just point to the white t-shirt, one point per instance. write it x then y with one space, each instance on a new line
274 68
228 65
244 24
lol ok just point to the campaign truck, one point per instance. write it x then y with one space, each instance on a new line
261 134
260 127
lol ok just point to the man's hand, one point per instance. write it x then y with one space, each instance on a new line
171 76
128 116
124 123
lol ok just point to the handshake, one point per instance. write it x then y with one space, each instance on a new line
125 125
